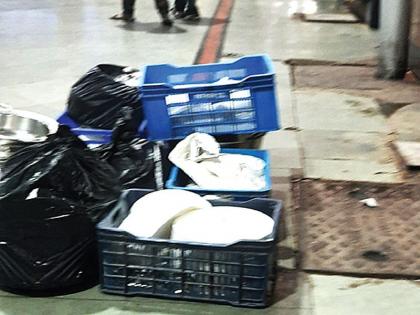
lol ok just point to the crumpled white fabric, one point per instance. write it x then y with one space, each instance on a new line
199 157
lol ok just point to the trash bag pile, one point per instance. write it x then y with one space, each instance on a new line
51 196
53 193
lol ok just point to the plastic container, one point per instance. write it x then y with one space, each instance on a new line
240 274
92 136
179 180
224 98
242 141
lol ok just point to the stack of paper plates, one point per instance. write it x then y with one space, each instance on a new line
222 225
152 215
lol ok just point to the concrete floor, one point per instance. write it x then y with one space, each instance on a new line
286 38
46 45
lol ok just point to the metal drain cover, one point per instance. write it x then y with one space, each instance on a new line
340 234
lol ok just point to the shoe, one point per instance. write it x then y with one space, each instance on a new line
166 21
192 17
178 15
123 17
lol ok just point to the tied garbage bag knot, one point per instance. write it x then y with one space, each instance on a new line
96 99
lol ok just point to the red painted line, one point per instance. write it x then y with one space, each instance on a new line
213 41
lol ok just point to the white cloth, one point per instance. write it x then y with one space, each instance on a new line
199 157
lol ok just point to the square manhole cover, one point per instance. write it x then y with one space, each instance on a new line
340 234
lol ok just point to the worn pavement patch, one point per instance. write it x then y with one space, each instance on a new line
357 80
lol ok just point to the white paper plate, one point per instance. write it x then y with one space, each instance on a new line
222 225
152 215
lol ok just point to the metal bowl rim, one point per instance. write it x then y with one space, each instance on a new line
49 123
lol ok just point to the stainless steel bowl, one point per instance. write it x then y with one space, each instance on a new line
24 126
19 128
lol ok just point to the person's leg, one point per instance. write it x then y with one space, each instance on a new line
179 9
127 13
191 7
128 7
191 13
163 9
180 5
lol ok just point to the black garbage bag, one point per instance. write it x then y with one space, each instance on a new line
139 163
64 167
47 247
96 99
51 196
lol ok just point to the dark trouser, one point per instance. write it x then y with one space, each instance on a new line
128 7
161 5
186 5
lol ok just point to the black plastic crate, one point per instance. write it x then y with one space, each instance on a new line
240 274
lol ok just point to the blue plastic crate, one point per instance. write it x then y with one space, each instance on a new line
178 101
179 180
240 274
92 136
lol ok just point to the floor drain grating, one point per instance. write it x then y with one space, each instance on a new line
339 234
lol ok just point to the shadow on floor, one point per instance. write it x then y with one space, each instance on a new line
286 285
50 293
158 28
286 293
154 27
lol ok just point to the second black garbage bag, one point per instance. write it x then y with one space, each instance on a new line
138 162
96 99
51 196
